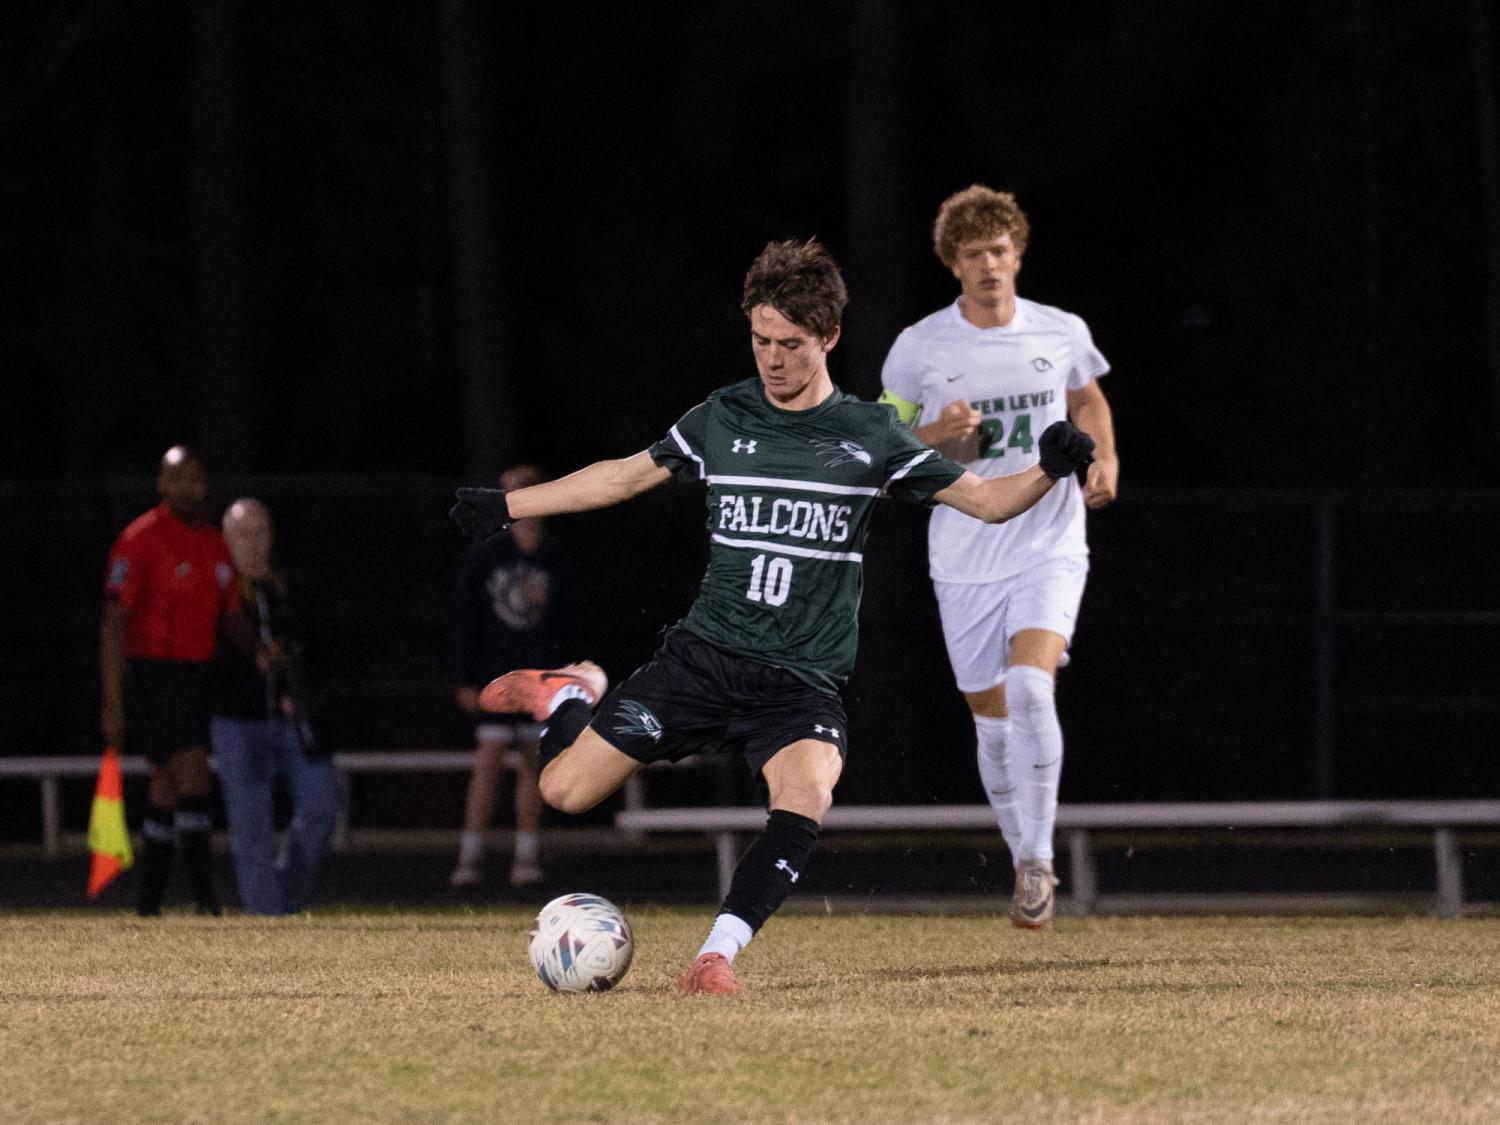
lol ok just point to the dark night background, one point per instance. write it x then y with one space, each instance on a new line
359 253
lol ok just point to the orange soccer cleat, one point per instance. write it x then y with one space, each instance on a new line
711 974
531 690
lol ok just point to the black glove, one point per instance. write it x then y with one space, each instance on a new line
1065 449
481 513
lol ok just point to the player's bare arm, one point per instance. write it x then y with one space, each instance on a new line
1090 412
1064 449
600 485
996 499
485 513
954 433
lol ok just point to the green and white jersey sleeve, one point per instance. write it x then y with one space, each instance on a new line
790 497
915 471
1018 378
675 451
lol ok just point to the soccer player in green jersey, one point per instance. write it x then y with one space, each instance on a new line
793 468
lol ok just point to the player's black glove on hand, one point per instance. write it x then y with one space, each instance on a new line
481 513
1065 449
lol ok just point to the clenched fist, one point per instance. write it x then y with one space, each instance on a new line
1065 448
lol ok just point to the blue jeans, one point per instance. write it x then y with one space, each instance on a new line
250 755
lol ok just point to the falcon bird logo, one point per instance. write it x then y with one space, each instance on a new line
837 453
636 720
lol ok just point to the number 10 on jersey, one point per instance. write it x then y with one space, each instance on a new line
770 584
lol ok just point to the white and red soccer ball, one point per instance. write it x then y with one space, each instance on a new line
581 943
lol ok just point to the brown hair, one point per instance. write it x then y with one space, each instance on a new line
974 213
801 281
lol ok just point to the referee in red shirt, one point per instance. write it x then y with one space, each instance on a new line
168 596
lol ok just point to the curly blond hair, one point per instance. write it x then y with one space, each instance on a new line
801 281
977 212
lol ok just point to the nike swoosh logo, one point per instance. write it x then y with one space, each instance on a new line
1044 765
1002 792
960 375
1033 915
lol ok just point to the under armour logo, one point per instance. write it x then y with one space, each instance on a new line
783 865
819 728
742 446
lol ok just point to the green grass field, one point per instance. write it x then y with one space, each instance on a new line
436 1016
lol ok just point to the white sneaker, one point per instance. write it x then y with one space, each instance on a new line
525 872
466 875
1032 904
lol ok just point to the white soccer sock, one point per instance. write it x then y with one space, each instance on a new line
1035 753
998 786
470 849
729 935
528 845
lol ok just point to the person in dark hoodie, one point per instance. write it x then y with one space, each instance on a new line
511 609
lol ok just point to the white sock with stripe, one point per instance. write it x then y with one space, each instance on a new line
1035 750
998 786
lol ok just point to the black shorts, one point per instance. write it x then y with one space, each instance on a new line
693 698
167 704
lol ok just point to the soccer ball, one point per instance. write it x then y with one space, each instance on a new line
581 943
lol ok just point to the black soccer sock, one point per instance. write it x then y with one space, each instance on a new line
156 864
765 874
563 728
194 831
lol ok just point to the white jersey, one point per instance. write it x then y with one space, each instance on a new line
1017 377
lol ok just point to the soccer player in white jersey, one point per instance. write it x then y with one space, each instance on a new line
793 469
978 380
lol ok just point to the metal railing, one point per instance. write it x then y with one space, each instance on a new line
1332 573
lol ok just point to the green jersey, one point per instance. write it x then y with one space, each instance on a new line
790 496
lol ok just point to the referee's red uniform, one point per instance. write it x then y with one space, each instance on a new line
175 580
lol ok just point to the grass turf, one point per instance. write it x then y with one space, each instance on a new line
437 1016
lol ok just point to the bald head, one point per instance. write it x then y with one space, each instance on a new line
248 531
182 484
179 455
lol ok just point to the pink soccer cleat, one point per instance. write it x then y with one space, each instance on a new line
712 975
531 690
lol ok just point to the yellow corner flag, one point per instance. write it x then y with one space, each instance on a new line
108 839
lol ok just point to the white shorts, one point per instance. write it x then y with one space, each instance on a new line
979 618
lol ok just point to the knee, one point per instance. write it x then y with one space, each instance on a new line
988 704
1031 690
988 710
819 799
812 797
562 792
